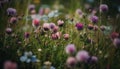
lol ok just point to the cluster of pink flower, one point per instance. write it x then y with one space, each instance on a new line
10 65
81 56
116 39
13 19
51 27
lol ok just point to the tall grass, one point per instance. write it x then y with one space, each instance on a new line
54 50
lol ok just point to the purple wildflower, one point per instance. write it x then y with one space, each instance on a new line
8 30
46 26
60 22
31 7
92 59
94 19
27 34
70 49
114 35
41 11
55 29
71 62
54 36
116 42
79 26
52 25
103 8
79 11
66 36
11 11
13 20
82 56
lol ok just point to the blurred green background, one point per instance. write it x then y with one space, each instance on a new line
70 6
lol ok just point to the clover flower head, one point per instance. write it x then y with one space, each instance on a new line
70 49
82 56
103 8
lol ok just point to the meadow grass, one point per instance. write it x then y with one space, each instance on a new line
54 50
